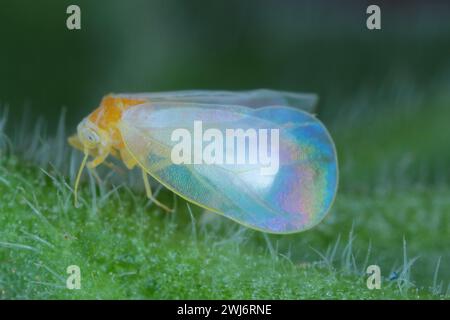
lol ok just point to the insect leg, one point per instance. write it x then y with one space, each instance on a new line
148 190
127 159
77 181
96 176
98 160
114 167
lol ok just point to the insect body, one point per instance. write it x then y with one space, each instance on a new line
254 156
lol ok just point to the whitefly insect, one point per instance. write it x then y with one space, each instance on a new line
144 130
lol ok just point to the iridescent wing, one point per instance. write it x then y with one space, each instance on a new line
251 98
296 198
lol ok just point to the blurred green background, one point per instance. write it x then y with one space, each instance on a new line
384 95
314 46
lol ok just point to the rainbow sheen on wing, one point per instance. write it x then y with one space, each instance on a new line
295 198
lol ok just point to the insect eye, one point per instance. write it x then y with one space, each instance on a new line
91 136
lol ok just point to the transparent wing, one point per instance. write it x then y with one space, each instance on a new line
292 199
251 98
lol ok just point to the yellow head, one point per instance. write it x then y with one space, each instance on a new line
90 138
97 135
